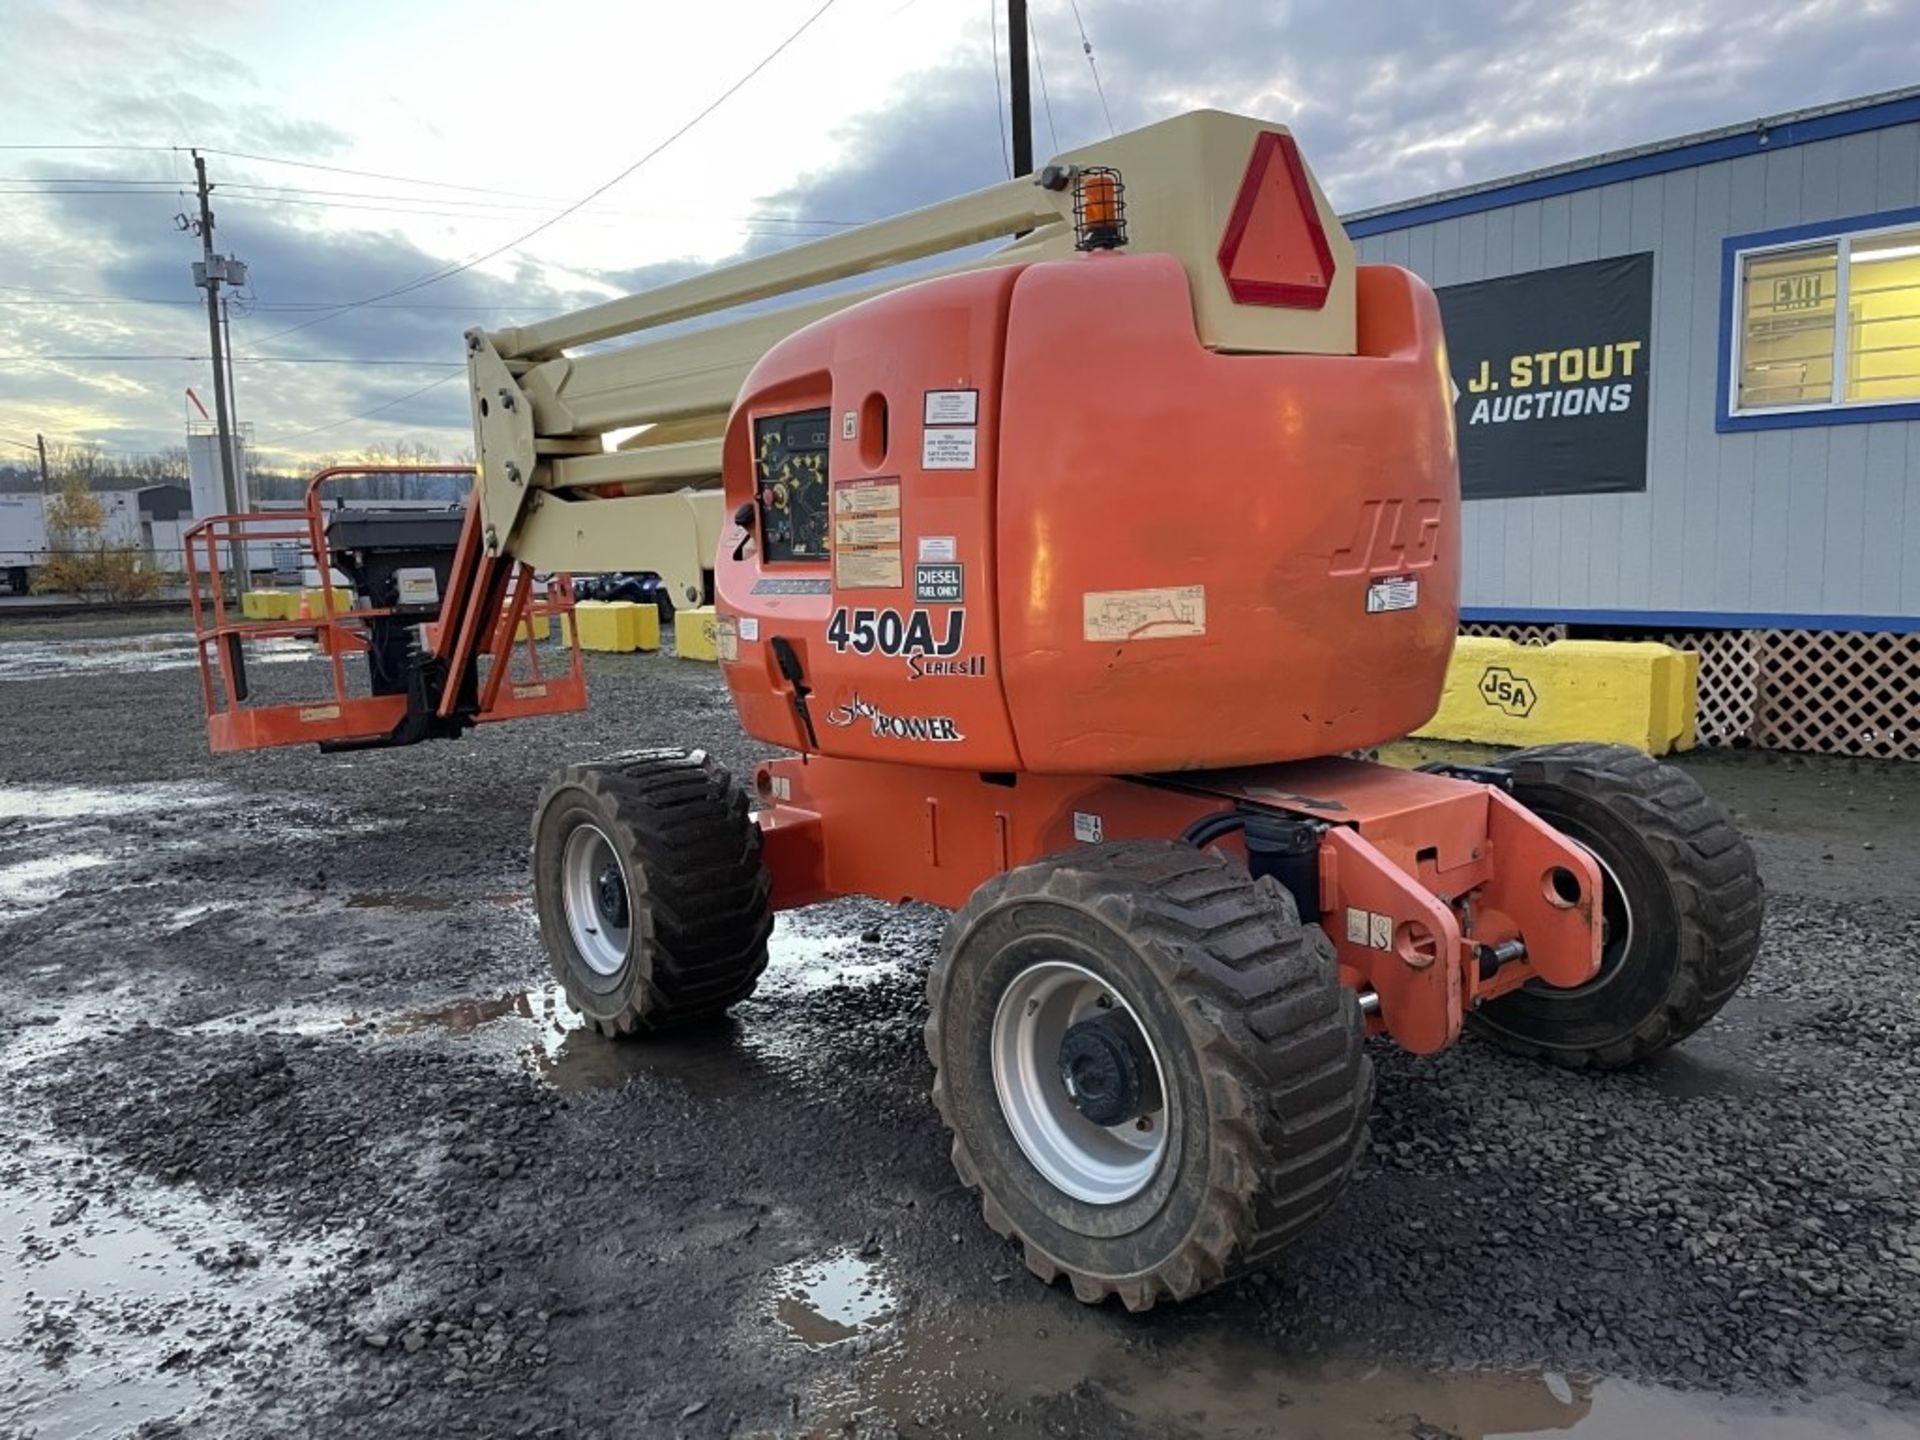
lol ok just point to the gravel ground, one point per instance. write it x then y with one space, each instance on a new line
299 1140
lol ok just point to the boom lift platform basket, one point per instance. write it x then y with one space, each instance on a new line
426 674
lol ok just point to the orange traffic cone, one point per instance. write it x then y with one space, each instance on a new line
318 634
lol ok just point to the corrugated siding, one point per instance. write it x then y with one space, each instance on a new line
1819 520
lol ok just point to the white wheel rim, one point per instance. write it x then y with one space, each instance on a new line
589 868
1100 1164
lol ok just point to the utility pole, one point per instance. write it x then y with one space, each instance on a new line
233 402
1021 87
208 273
46 488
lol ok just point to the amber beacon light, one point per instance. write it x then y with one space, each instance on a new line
1099 209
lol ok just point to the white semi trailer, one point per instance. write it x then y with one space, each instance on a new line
23 541
24 546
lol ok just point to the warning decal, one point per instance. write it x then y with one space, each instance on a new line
864 530
865 497
1393 592
1369 928
952 407
947 449
866 535
1162 614
866 569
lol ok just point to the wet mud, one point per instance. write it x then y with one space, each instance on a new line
301 1138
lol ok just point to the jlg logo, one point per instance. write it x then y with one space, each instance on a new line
1391 535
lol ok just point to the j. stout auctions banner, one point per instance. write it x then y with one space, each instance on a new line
1551 369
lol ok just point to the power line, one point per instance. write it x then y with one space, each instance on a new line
297 195
99 297
112 302
282 160
239 360
372 174
1040 64
363 415
1087 46
303 190
449 271
80 180
161 148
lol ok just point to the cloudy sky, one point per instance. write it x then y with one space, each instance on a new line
369 146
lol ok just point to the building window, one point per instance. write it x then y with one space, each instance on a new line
1828 323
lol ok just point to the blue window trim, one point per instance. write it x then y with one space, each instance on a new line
1689 619
1724 420
1756 141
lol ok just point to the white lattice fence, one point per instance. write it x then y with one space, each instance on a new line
1827 692
1730 671
1840 693
1520 634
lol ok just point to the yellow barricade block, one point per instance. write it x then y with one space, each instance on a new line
313 600
693 637
617 625
1629 693
541 625
270 605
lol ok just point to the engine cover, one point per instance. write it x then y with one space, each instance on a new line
1020 519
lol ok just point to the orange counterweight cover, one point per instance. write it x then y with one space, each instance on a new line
1063 537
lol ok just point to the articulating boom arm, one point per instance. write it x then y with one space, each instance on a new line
553 495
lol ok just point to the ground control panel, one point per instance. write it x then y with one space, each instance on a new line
790 465
857 617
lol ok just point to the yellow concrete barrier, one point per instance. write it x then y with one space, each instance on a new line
542 626
617 625
270 605
313 600
1630 693
693 637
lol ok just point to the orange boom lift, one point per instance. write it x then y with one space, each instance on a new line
1072 581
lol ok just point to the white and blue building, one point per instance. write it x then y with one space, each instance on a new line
1690 403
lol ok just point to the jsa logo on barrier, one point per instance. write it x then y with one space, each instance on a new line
888 632
1506 691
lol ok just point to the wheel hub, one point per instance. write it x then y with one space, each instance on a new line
610 895
593 891
1108 1072
1068 1053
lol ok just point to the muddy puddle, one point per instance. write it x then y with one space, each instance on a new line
27 885
121 1301
50 835
992 1375
42 826
564 1051
823 1302
556 1043
63 804
803 957
71 657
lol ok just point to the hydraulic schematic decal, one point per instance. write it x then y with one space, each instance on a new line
1160 614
